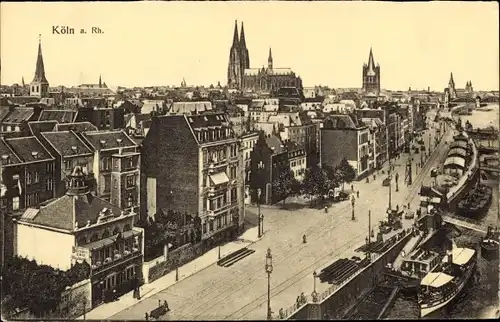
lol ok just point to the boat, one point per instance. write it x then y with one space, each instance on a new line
490 244
476 202
442 285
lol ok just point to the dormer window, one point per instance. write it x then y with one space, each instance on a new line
74 149
205 118
119 141
103 143
5 159
34 154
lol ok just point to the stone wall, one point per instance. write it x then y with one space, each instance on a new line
340 302
175 258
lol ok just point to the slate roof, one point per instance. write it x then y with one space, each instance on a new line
275 143
110 138
77 127
343 121
19 114
64 141
24 148
6 150
62 116
190 107
63 212
206 120
37 127
4 110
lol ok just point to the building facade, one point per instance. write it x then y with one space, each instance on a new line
194 164
82 227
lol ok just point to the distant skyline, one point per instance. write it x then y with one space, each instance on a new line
326 43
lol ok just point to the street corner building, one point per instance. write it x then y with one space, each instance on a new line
78 227
194 164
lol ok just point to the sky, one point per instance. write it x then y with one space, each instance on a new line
326 43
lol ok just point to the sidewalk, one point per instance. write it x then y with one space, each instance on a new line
106 310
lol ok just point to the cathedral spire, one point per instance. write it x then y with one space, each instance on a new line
40 70
235 36
243 43
100 81
270 60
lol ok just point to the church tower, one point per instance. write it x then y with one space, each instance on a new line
39 86
270 61
371 75
234 73
451 87
245 57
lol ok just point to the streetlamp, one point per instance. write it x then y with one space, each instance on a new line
314 294
353 202
259 191
176 270
397 178
219 252
269 270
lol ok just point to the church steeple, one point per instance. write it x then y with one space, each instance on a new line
235 35
243 43
270 60
40 70
22 81
371 62
100 81
39 86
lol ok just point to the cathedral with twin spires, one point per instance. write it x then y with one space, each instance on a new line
240 76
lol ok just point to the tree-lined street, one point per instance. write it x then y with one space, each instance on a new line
240 291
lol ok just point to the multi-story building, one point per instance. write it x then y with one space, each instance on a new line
345 136
296 159
15 119
268 160
193 164
248 141
116 167
28 171
70 151
103 118
82 227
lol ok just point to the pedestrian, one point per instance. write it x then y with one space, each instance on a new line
326 209
298 300
115 297
304 239
282 315
165 304
374 176
357 192
352 187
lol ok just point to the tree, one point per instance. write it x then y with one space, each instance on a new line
332 175
345 172
316 182
286 185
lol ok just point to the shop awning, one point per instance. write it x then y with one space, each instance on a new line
219 178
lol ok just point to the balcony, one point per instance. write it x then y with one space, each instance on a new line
116 259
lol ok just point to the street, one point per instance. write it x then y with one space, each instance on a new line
240 291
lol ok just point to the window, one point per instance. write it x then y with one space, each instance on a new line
115 184
15 203
233 194
211 226
106 163
234 149
232 172
36 177
68 164
49 184
37 199
107 183
218 222
50 167
211 205
130 181
17 129
205 228
29 178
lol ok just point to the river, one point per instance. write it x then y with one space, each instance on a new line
481 295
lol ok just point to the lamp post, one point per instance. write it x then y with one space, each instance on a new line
259 191
353 202
176 270
219 252
397 178
390 186
314 294
269 270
